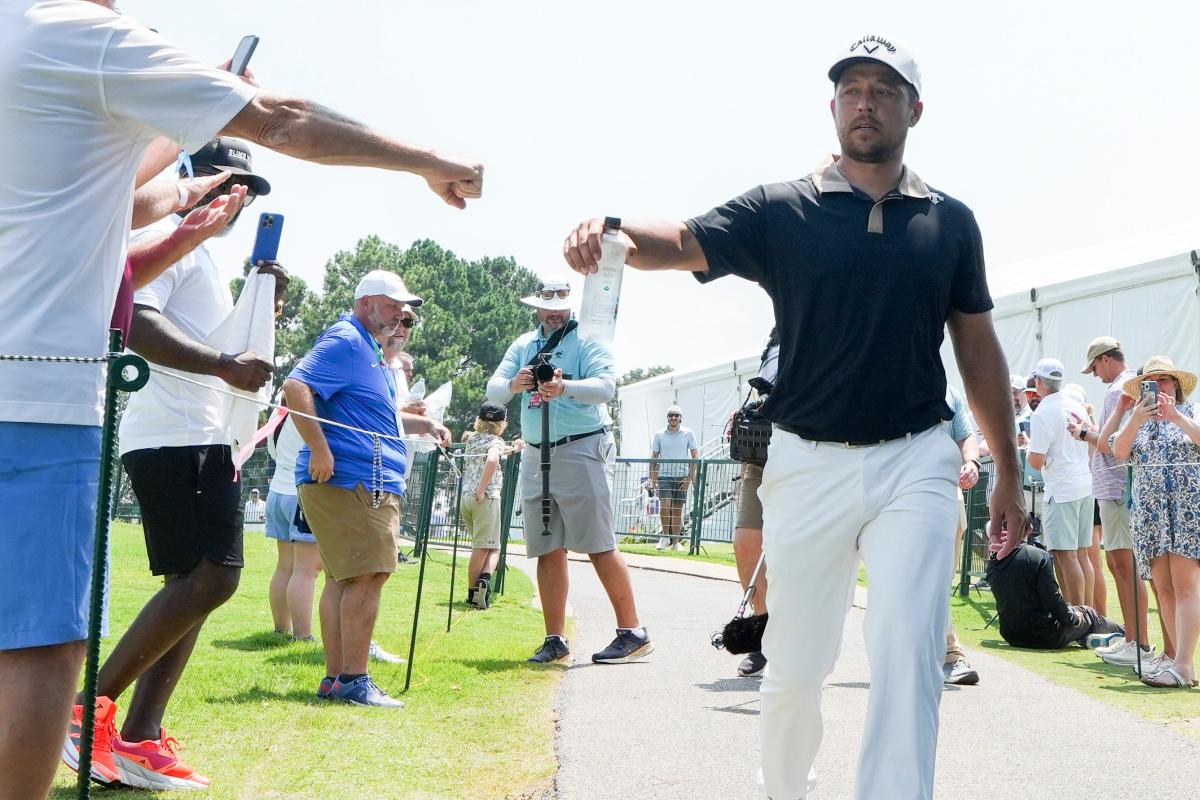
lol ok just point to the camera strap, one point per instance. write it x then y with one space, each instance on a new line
553 341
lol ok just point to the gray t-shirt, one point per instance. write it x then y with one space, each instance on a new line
474 459
674 445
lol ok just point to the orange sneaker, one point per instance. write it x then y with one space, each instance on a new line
104 769
154 764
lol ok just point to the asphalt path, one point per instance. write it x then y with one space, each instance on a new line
681 724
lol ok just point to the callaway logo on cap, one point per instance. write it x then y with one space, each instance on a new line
890 52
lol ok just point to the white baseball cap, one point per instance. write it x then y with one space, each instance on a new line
1050 368
1017 383
388 284
890 52
674 410
555 285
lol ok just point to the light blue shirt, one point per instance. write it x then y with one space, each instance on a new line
578 359
960 427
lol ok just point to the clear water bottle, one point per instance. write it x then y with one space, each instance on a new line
417 390
602 288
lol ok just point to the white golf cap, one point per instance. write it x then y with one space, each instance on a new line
890 52
1017 383
388 284
674 410
1050 368
553 284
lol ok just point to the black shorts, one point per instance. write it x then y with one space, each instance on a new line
191 506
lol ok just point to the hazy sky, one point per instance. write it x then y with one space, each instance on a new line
1063 125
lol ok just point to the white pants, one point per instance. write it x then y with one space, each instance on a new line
825 506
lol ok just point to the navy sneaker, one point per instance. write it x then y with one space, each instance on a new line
363 692
625 648
325 689
553 649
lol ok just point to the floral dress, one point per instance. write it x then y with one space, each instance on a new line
1166 500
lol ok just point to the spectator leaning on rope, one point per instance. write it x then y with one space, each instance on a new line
350 482
1162 443
122 87
866 266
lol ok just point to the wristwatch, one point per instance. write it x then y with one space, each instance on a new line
1083 432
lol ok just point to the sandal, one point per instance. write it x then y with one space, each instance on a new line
1168 678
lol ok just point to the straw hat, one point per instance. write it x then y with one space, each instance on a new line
1160 365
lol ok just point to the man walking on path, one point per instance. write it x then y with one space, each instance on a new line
672 480
582 458
1110 488
866 266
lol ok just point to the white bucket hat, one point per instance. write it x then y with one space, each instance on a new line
555 287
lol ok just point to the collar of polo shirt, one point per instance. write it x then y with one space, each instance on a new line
828 178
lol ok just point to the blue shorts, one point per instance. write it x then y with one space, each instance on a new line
281 519
49 477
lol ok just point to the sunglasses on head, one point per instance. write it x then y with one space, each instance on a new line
547 294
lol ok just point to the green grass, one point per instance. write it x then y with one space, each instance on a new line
1082 669
714 552
478 722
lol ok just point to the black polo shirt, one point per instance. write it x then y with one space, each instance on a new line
861 291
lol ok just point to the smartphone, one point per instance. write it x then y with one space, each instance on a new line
1150 387
1023 426
241 56
266 241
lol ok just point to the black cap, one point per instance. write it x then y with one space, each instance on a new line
612 223
226 154
492 412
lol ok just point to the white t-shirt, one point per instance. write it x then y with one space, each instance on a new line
1067 473
83 91
168 412
284 451
256 511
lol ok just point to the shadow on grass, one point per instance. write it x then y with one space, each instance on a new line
257 695
499 665
255 642
985 609
115 792
312 655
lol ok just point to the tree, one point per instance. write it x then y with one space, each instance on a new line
469 318
632 376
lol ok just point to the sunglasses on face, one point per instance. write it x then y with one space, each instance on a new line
674 416
548 294
408 322
225 188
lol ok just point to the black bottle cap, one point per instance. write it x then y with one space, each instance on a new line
612 223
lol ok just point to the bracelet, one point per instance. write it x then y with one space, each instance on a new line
975 461
1083 432
183 196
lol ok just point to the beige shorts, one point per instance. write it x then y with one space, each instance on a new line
481 520
749 506
355 539
1114 521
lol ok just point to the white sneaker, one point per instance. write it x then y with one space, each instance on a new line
679 547
1117 644
1100 641
663 543
379 654
1153 666
1127 655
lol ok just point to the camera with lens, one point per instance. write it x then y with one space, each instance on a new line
543 368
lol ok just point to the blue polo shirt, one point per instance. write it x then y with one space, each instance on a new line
344 372
578 359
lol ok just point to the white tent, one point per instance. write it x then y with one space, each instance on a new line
1151 308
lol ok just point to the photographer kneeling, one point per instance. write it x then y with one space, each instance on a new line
575 377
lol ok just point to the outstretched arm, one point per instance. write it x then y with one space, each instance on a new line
653 244
303 129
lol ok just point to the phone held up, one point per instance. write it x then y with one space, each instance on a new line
1151 388
266 240
241 56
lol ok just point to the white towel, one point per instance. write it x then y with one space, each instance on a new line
250 326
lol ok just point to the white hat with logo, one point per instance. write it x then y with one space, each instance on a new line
890 52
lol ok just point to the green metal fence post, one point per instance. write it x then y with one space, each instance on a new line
454 547
698 507
428 489
115 382
964 579
508 494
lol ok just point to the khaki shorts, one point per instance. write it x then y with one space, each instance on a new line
749 506
581 475
1067 526
354 538
482 521
1114 520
